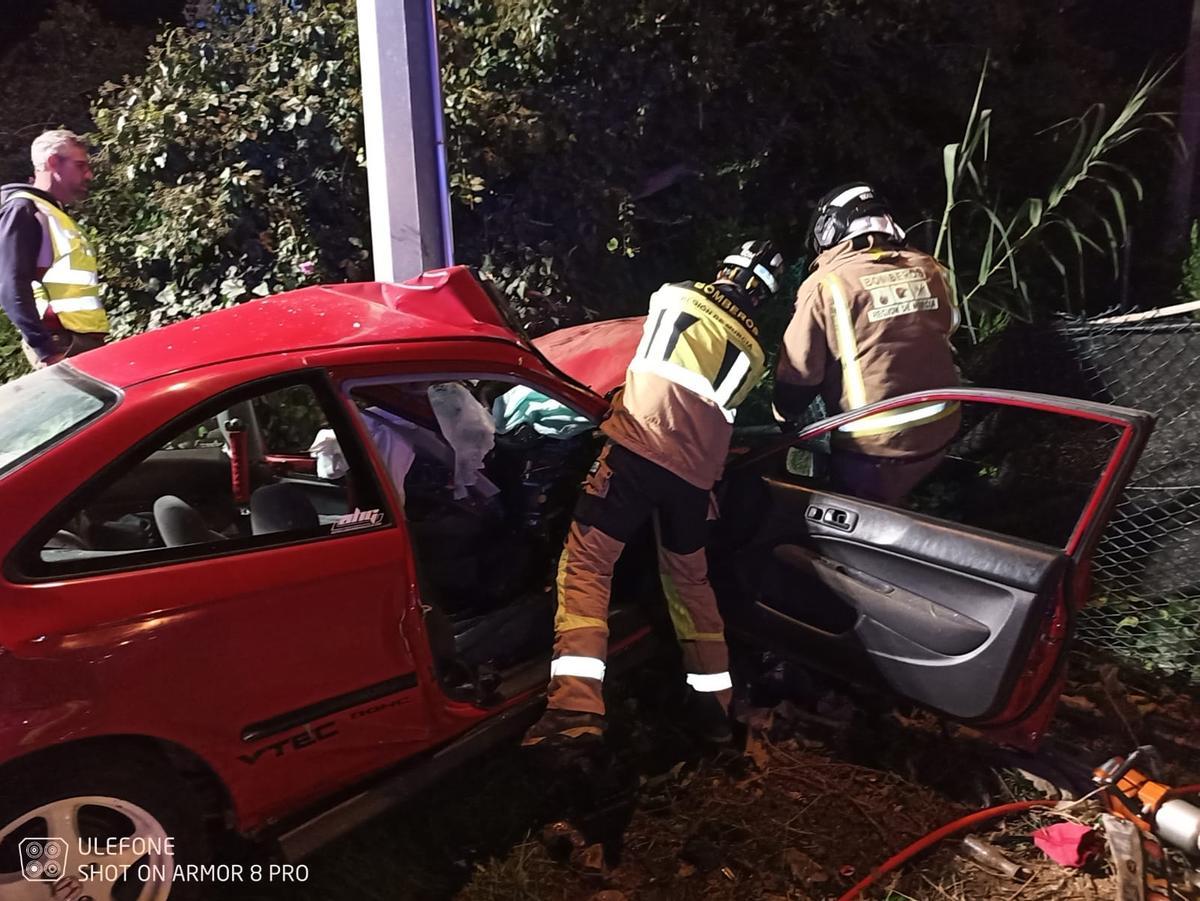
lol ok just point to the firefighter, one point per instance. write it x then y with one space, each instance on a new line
49 285
668 436
872 321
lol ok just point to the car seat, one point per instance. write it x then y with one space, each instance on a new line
179 524
281 508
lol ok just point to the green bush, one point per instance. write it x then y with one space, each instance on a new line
1161 633
1189 280
598 149
12 359
49 79
1011 245
595 149
232 168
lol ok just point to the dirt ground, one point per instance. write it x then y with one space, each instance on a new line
826 790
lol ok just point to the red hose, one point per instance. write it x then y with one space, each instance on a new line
979 816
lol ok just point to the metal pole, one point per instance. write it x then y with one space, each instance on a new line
405 143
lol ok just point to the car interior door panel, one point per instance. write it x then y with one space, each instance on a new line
928 623
916 599
945 596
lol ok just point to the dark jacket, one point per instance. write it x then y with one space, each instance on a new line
21 237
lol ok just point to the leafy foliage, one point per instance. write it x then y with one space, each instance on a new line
1084 208
12 359
599 149
1189 280
1160 633
48 79
595 150
233 168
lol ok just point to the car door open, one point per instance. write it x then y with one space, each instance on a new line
962 597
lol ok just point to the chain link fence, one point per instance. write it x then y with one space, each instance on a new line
1146 595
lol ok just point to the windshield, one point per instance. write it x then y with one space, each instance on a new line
43 407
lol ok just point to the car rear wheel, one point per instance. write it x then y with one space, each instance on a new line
121 828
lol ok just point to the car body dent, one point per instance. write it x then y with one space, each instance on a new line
596 354
93 667
442 304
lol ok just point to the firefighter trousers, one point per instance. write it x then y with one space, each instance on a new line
622 492
886 480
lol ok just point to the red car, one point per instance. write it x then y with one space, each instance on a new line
271 569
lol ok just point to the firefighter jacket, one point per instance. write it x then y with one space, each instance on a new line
68 291
873 321
698 359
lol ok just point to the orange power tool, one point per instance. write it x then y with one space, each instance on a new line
1134 795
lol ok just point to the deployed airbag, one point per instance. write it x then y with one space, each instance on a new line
469 429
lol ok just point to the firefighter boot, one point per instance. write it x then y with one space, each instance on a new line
567 730
707 719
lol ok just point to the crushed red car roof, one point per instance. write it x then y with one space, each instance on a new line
441 303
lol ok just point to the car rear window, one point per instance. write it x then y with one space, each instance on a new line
42 408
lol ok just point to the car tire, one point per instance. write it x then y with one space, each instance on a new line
114 794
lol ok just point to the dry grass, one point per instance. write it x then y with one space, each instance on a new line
816 802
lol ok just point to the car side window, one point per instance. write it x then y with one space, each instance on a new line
288 420
1022 472
268 468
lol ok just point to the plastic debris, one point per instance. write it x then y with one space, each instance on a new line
1068 844
991 858
331 463
1125 848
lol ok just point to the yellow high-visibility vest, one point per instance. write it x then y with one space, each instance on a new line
698 338
70 288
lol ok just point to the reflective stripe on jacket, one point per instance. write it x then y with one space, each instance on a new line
699 358
871 324
70 288
698 338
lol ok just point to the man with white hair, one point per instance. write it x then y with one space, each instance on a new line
872 321
49 286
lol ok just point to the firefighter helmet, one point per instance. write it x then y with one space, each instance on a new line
849 211
755 267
